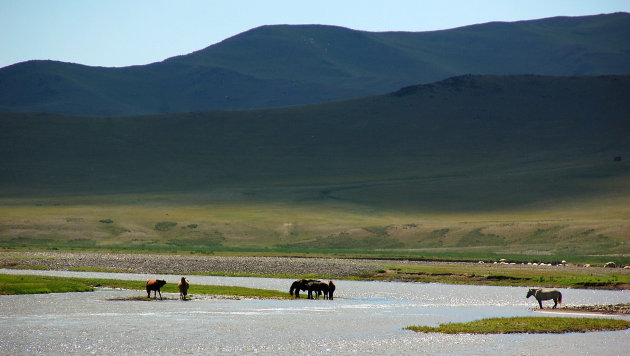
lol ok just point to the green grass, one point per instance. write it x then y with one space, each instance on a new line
23 284
529 325
16 284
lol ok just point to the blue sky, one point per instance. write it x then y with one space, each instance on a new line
130 32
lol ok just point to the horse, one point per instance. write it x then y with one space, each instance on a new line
183 288
545 294
303 285
331 290
155 285
317 288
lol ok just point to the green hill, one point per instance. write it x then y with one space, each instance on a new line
525 167
273 66
470 142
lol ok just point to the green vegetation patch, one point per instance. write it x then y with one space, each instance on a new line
164 225
527 325
14 284
24 284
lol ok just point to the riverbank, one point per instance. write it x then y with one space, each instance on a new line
505 274
26 284
609 309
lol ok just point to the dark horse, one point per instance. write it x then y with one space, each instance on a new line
318 288
327 289
331 289
155 285
546 294
302 285
315 288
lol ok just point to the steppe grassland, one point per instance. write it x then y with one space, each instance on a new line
128 222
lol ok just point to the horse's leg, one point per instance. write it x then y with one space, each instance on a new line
160 294
540 303
555 303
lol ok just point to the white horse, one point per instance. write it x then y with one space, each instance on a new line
546 294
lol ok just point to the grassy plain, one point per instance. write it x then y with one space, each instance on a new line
528 325
593 231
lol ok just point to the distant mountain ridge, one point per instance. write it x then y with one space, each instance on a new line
284 65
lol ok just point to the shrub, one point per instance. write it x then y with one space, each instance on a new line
165 225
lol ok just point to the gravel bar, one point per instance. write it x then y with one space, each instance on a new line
188 264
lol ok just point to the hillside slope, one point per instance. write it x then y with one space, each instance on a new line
282 65
469 142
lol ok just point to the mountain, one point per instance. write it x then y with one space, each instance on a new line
284 65
468 142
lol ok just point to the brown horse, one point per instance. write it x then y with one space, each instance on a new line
183 286
155 285
318 288
331 290
545 294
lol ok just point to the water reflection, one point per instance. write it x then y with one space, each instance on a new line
367 317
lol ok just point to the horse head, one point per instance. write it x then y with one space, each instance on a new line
531 292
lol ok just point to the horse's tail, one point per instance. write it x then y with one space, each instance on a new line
559 298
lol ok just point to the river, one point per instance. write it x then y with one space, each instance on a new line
364 318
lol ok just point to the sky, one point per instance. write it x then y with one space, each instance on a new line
116 33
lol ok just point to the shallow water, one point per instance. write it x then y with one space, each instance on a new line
365 317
